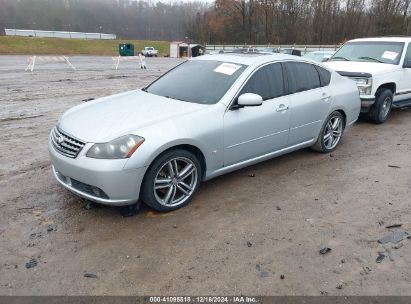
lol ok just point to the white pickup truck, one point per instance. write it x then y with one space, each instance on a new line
381 67
149 51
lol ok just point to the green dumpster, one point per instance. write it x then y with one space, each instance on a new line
126 49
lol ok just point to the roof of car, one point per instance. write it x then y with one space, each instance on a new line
247 58
387 39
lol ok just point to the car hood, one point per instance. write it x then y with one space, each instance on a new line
110 117
373 68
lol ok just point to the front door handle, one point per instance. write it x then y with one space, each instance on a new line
282 108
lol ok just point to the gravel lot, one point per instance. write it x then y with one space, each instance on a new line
238 236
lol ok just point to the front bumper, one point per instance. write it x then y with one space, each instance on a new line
100 180
366 103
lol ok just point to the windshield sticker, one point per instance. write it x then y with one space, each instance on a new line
389 55
227 68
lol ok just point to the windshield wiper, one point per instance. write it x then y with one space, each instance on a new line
144 89
340 58
166 96
371 58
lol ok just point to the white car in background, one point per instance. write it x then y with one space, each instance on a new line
381 67
149 51
319 56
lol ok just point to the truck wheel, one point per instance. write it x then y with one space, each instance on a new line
382 107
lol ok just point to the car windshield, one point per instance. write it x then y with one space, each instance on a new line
315 56
370 51
198 81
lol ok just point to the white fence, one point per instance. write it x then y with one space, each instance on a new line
303 48
137 59
47 59
58 34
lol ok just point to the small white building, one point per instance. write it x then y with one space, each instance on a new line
179 49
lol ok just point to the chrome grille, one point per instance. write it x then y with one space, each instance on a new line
66 144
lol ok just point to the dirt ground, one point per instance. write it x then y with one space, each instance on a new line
238 236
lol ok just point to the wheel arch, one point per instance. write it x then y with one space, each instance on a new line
392 86
188 147
342 112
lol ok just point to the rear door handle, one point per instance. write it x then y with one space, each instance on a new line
282 108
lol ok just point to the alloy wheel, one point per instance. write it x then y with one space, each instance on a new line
333 132
175 182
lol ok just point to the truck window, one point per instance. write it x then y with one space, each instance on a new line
370 51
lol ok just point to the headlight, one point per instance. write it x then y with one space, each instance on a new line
364 85
363 81
122 147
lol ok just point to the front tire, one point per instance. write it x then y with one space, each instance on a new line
330 134
382 107
171 180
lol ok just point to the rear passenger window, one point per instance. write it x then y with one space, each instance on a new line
302 77
325 76
268 82
408 54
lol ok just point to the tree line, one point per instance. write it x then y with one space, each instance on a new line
301 21
223 21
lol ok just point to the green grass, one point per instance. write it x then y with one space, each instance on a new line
59 46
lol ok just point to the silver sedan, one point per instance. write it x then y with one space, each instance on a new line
204 118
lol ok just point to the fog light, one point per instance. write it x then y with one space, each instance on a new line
96 191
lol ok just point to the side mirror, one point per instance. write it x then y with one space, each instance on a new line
407 63
249 100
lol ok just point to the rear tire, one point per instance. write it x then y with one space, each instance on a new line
382 107
330 134
171 181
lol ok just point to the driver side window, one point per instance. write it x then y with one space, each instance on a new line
268 82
